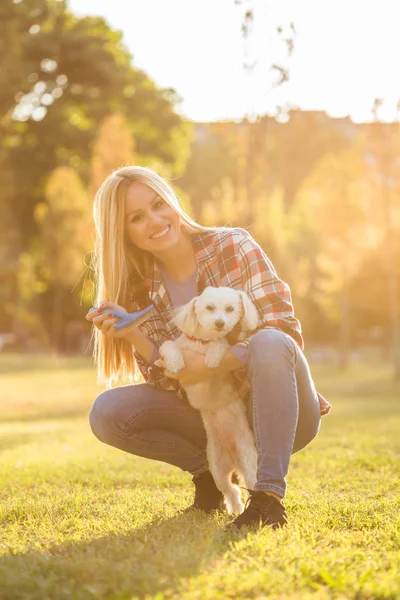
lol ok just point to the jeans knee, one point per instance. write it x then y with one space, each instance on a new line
268 338
101 416
271 344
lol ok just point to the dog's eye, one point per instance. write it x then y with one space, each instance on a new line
210 308
229 309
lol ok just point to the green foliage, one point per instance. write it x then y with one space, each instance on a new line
61 77
212 160
80 73
46 274
61 223
82 520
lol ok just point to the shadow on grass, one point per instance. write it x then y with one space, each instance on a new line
153 559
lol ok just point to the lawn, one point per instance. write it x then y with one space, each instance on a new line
80 520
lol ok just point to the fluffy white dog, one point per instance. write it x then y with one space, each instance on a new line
204 322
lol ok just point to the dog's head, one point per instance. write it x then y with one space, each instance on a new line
213 314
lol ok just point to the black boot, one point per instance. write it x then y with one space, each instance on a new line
207 496
261 511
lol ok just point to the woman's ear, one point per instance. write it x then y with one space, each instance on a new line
249 319
185 318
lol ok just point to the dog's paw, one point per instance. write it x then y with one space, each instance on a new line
172 357
213 357
234 508
211 362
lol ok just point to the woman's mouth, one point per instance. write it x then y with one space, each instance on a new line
161 233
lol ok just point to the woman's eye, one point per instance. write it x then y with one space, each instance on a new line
158 204
136 218
210 308
229 309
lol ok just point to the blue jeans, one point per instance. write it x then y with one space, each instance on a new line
283 411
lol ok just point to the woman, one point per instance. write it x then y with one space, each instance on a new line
149 251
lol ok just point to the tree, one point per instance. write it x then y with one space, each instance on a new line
211 163
114 147
61 77
61 246
336 196
383 146
79 72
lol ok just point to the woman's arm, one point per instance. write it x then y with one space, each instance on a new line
196 370
146 348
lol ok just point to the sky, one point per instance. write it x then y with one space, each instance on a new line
345 53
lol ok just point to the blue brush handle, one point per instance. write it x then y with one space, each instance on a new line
126 318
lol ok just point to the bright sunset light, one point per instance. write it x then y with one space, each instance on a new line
199 299
345 53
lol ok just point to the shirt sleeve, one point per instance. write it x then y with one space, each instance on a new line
271 296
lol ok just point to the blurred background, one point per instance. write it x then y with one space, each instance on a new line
282 118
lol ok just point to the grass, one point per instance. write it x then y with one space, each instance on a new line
80 520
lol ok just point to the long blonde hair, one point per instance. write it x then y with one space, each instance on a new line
117 263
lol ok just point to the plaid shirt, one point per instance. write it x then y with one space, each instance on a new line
225 257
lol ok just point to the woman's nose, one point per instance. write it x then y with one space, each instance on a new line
156 220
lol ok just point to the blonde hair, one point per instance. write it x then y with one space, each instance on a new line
116 263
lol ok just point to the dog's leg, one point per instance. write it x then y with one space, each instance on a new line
244 452
246 461
222 472
238 436
172 356
221 467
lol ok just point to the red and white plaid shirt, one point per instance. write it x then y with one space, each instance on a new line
225 257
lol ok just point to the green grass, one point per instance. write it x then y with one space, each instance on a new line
80 520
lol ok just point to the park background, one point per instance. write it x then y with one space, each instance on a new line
316 183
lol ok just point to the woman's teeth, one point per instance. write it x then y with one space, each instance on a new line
163 232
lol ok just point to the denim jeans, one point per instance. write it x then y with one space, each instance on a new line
282 408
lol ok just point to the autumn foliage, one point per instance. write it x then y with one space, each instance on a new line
320 195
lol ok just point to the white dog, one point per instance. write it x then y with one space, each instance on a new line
205 321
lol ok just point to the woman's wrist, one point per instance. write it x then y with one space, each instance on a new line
141 343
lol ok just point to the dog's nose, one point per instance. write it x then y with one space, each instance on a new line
219 323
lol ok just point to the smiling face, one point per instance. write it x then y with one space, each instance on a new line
151 223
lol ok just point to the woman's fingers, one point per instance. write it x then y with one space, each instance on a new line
92 314
105 321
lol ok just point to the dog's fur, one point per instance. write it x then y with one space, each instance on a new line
230 442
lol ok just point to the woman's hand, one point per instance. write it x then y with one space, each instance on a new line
194 371
105 321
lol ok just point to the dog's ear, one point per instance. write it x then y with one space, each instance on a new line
185 318
249 318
